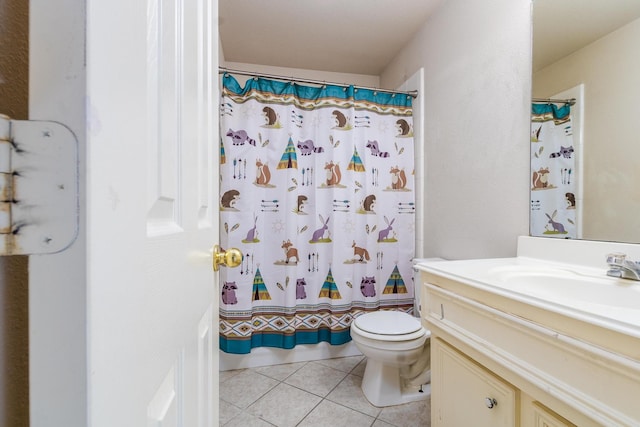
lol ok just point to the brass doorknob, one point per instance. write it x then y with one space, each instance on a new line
230 258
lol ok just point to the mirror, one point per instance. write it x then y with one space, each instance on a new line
595 44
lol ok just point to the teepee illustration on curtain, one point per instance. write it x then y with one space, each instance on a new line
329 288
259 291
356 162
289 158
223 157
395 284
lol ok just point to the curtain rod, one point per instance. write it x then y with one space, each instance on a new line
569 101
222 70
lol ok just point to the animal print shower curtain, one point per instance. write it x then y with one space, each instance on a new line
317 192
553 172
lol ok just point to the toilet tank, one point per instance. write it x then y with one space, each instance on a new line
416 282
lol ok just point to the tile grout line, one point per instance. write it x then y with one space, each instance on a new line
322 398
345 406
262 395
331 401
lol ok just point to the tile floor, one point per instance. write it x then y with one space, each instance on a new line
309 394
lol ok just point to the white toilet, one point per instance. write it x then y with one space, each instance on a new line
397 350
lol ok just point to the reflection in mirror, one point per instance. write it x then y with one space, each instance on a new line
594 46
556 199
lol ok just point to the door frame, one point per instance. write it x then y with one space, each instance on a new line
58 377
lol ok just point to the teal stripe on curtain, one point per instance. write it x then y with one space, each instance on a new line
287 342
314 93
558 112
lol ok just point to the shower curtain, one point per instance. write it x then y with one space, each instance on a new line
553 172
317 192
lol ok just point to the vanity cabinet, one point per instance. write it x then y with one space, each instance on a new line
500 362
467 394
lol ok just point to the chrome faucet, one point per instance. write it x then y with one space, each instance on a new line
620 267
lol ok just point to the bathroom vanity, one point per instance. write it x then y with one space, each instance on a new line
541 339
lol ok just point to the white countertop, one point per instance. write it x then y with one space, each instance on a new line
577 291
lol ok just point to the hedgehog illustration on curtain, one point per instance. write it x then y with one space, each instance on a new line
404 129
395 283
271 118
259 291
329 288
340 121
289 159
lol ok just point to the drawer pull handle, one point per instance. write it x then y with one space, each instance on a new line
490 402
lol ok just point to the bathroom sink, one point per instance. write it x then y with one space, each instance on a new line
573 290
602 295
510 272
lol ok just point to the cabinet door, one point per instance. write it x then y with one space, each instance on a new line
534 414
466 394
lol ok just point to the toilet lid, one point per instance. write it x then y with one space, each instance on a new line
388 323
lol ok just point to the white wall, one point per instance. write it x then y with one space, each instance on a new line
299 73
609 68
477 60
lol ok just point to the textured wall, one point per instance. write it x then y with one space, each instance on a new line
14 336
476 57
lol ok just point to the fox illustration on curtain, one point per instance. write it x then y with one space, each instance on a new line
317 192
553 172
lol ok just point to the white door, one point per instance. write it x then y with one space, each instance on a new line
123 325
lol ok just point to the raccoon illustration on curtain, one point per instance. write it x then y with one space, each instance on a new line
317 191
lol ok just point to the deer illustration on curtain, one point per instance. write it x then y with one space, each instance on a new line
317 192
553 172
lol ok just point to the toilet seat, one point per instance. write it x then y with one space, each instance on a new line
388 326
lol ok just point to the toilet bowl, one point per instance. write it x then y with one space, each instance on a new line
397 350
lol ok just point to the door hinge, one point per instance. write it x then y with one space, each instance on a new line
39 209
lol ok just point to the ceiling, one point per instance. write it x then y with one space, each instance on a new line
562 27
363 36
349 36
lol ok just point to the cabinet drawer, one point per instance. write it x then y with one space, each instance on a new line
466 394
